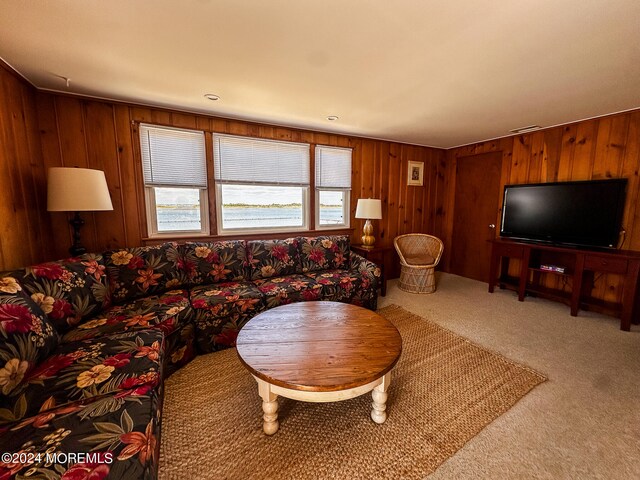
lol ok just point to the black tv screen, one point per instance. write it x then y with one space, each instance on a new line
573 213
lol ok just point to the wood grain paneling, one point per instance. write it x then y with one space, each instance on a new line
25 227
606 147
103 135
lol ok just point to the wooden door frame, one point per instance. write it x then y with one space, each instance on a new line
450 200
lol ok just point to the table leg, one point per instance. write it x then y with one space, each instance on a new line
269 407
576 288
493 269
379 405
524 275
629 295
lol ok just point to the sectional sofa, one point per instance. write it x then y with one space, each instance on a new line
86 343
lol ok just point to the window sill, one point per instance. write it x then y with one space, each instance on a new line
247 236
332 227
177 235
258 231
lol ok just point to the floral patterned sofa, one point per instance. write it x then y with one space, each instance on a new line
86 342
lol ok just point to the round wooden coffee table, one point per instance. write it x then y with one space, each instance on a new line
319 352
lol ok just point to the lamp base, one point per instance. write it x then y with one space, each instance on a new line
76 247
367 239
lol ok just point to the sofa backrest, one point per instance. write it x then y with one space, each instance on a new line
216 262
271 258
26 336
142 271
324 253
68 290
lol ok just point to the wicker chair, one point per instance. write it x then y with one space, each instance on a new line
419 255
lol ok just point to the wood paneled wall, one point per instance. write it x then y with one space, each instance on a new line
103 135
25 229
40 130
607 147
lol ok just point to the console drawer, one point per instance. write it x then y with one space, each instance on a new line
605 264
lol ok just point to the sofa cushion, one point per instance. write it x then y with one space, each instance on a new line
339 285
289 289
170 312
216 262
87 369
120 432
323 253
221 310
26 336
166 312
179 348
143 271
271 258
68 290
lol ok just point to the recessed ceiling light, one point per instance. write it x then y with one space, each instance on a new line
530 128
211 96
332 118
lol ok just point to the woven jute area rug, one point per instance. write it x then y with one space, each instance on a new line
444 390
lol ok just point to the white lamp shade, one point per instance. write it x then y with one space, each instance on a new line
369 208
77 190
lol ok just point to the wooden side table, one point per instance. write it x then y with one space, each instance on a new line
377 254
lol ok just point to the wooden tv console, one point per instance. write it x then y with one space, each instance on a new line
579 267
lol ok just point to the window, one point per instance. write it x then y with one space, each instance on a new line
333 185
261 185
175 180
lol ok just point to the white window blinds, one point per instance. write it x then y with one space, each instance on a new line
243 160
173 157
333 167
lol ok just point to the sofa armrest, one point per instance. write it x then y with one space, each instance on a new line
369 270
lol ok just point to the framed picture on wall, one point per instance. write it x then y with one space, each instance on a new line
415 175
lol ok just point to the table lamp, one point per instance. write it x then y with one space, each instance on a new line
369 209
77 190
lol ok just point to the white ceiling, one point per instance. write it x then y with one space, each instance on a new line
438 73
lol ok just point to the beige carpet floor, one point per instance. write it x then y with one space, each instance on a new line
445 389
582 423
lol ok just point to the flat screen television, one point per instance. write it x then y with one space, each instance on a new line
585 214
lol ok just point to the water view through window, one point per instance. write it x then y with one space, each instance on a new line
331 210
244 206
178 209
